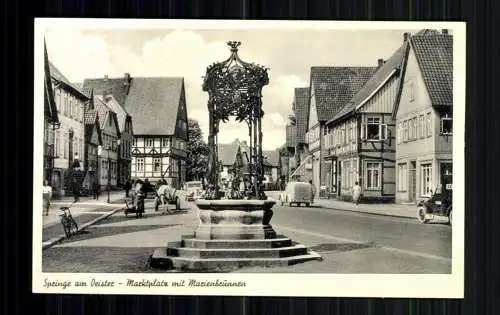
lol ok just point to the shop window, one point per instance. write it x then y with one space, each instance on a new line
426 180
446 125
372 175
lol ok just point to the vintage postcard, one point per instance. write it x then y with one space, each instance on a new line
267 158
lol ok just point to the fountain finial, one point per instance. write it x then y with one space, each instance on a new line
234 45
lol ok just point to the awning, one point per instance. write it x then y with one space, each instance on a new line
302 169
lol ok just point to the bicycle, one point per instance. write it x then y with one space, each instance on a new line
69 224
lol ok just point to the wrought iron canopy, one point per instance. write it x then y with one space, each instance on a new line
235 86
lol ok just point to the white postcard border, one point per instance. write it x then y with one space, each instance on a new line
341 285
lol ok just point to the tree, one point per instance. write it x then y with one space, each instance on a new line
197 157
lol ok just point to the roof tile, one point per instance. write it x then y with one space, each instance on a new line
335 86
301 98
434 53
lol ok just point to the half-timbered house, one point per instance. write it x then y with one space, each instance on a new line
360 138
126 138
158 107
93 139
330 89
424 117
108 152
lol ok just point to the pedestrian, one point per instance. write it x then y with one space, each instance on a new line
313 189
47 196
127 186
95 188
76 190
356 193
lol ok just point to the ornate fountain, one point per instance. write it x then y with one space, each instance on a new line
234 231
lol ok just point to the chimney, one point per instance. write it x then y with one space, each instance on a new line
406 36
380 62
105 77
444 31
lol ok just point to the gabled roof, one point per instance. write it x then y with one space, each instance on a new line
291 136
58 76
335 86
272 157
301 101
50 107
121 113
226 152
118 87
390 68
434 54
104 112
92 121
154 103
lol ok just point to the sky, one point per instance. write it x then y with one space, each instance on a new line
81 53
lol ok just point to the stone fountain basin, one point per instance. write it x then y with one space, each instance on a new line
234 219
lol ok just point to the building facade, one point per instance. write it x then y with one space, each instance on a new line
157 107
424 117
330 89
69 139
360 139
50 121
124 170
108 152
93 141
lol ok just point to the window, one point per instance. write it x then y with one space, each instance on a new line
446 125
374 130
411 130
140 164
402 177
421 126
405 131
429 125
149 142
165 142
411 91
156 164
372 176
426 180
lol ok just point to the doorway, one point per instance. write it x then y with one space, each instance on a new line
413 181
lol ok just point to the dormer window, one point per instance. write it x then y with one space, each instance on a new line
446 125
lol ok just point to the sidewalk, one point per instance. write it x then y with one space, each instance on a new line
85 205
388 209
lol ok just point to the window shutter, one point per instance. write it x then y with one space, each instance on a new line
363 132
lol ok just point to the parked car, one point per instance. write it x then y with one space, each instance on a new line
438 205
193 190
297 193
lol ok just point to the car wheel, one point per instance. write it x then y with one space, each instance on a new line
450 220
307 204
421 212
177 204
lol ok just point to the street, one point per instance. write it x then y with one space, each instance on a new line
349 241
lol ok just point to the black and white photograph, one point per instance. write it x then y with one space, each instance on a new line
249 157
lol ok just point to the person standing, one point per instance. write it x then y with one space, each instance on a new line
95 188
127 186
356 193
76 190
313 189
47 196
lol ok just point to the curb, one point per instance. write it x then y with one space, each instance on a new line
61 237
369 212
